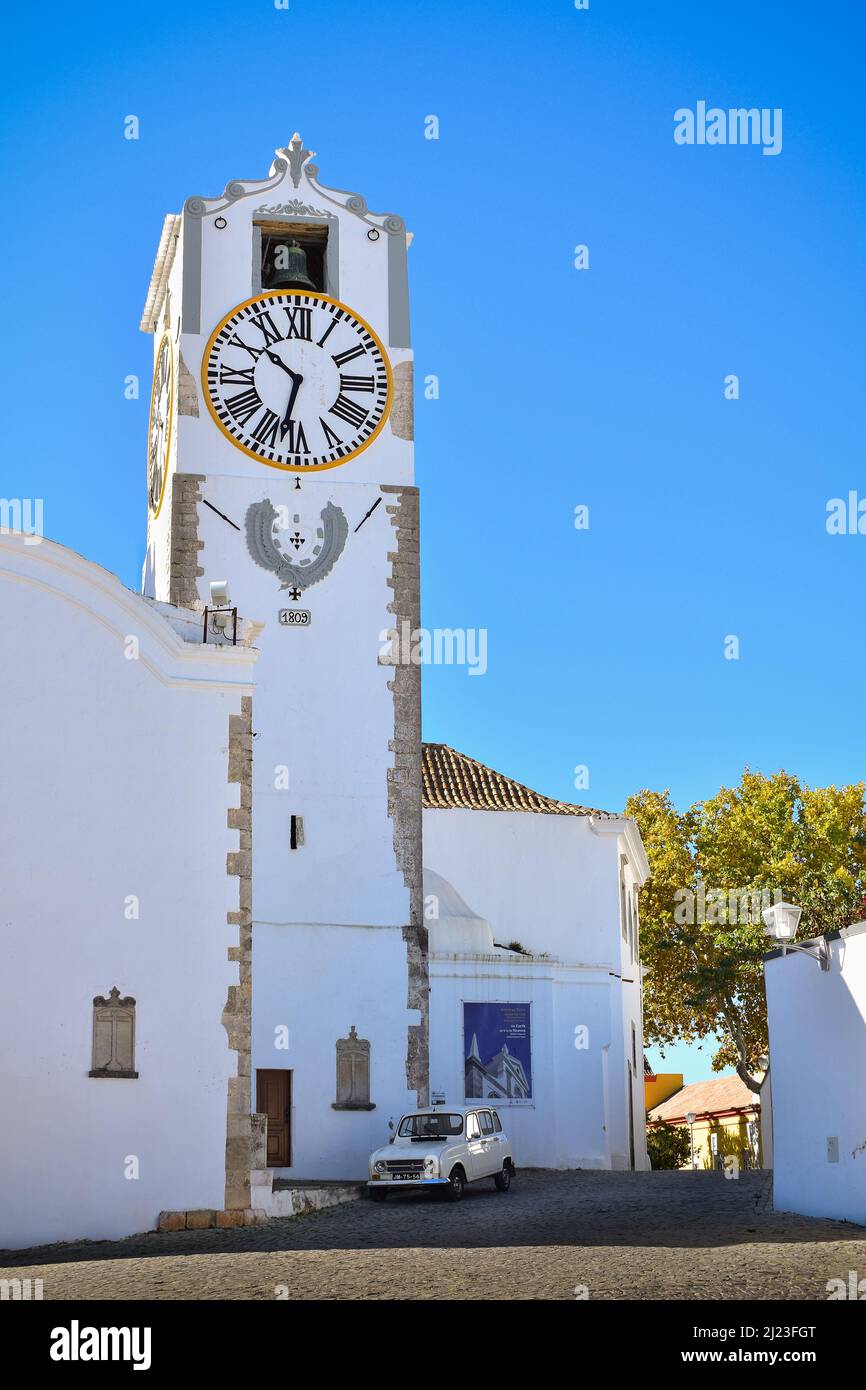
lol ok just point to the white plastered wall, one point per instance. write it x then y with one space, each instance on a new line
115 789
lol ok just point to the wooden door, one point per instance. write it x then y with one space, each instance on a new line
274 1099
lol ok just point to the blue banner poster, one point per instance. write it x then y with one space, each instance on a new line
497 1043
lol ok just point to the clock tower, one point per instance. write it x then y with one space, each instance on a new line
280 466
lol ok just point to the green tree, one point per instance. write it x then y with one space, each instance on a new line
668 1146
712 869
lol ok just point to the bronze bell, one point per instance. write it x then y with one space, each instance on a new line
289 268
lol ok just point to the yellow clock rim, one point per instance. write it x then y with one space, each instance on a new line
250 453
166 337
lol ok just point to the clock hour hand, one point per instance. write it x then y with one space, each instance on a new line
278 362
293 396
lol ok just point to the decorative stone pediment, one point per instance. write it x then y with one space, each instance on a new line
292 169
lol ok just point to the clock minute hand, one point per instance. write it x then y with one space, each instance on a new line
287 418
296 385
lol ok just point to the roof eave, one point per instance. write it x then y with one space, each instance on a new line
161 271
627 827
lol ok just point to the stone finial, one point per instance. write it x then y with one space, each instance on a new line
296 157
113 1000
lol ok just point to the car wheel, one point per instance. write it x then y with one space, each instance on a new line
456 1184
503 1179
378 1194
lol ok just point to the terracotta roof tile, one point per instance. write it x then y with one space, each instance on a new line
706 1098
452 781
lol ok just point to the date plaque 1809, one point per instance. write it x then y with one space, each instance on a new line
295 617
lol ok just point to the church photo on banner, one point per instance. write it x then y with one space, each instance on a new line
498 1051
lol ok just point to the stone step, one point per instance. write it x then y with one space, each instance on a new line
292 1199
287 1198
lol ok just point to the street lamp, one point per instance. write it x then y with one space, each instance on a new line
781 922
690 1120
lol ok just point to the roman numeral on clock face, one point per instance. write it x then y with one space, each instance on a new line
356 383
266 326
300 323
330 328
265 431
244 405
255 352
341 358
349 411
236 376
334 441
295 441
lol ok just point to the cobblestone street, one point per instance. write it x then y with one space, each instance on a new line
622 1235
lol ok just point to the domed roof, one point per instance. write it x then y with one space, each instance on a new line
453 928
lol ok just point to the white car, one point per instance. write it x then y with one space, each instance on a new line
444 1147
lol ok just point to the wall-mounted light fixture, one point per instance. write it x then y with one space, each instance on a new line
781 922
219 610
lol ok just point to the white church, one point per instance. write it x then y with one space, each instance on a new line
216 792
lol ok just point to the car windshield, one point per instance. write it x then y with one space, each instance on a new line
430 1126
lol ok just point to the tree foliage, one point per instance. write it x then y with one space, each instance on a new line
668 1146
769 837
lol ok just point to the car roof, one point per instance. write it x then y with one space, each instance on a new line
451 1109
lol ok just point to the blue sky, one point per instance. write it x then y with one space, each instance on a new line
707 516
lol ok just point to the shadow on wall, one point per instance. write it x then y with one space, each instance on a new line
732 1141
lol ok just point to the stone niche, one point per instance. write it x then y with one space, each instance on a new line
353 1073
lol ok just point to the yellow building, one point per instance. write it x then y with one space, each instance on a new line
657 1086
726 1120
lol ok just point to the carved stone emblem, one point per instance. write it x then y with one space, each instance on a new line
298 551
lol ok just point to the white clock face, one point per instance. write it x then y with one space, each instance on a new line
159 428
297 380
